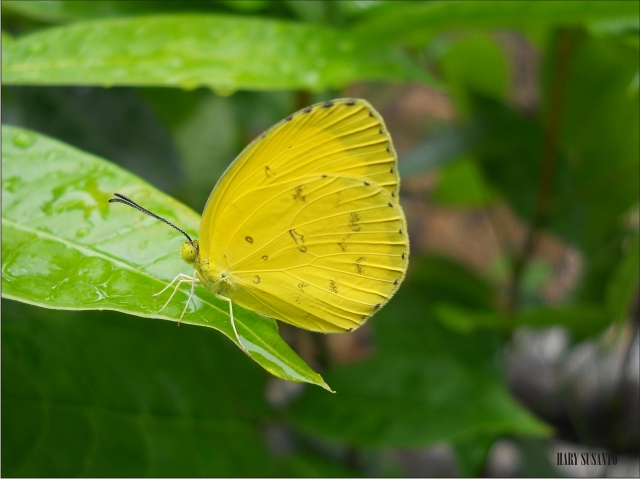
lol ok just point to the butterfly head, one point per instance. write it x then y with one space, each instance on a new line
189 251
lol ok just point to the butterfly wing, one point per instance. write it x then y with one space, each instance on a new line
306 222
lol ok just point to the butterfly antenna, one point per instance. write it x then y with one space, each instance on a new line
126 201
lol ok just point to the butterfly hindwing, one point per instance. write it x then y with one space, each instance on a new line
333 257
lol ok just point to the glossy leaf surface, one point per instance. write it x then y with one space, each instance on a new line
216 51
65 247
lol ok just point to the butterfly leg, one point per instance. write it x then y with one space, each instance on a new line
233 323
193 281
184 279
180 276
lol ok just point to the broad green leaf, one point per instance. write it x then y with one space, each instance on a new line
94 394
425 383
476 64
623 285
62 11
461 184
127 130
217 51
65 247
582 320
472 453
415 22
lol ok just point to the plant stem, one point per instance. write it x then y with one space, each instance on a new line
565 45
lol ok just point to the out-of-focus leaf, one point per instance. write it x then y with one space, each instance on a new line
461 184
415 22
126 131
472 453
249 6
65 247
475 64
582 320
62 11
94 394
314 12
444 280
201 50
600 135
310 465
508 147
206 135
425 383
623 285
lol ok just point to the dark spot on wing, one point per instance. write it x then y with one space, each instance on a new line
391 204
265 257
289 118
359 268
393 193
324 176
377 306
381 133
404 255
308 109
328 104
299 240
267 171
354 220
388 150
391 170
249 239
400 231
342 245
366 183
297 193
350 103
333 287
302 285
256 279
370 114
350 329
396 282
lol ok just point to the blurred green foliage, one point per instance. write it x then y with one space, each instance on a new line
100 393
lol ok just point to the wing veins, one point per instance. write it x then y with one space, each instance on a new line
327 291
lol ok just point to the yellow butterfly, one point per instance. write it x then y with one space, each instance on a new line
305 226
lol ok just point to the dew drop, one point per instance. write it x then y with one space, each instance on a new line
24 139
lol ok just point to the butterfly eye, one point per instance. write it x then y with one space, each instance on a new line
188 252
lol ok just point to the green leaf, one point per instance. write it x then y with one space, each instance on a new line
415 22
65 247
410 402
217 51
623 285
61 11
94 394
472 453
475 64
461 184
582 320
425 383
